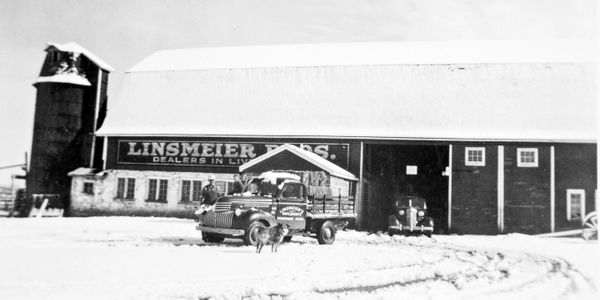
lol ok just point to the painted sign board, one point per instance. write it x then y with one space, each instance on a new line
214 154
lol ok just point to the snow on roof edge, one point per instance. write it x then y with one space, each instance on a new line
373 53
64 78
74 47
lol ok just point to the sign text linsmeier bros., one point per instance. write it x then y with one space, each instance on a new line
190 153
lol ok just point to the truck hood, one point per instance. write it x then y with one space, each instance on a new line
232 202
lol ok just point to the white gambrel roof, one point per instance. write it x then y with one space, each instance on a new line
310 157
76 48
428 94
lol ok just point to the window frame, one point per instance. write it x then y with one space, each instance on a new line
571 192
533 164
126 187
301 189
193 194
158 190
475 163
225 185
83 190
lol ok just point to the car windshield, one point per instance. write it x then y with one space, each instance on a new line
416 202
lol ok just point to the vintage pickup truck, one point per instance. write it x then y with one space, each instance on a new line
268 201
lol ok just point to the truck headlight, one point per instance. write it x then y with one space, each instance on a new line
238 211
401 212
421 213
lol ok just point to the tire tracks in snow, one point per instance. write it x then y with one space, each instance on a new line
496 271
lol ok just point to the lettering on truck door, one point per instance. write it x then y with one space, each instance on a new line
291 205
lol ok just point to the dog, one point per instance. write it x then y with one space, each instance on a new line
273 235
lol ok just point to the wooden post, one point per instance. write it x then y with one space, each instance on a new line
324 201
339 204
500 187
552 190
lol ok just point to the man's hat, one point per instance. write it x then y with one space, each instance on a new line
211 177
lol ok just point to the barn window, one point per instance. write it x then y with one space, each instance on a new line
157 190
125 188
575 204
190 190
474 156
221 187
88 188
527 157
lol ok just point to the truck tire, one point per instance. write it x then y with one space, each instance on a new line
209 238
326 233
250 237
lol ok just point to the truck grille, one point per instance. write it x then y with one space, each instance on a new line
218 220
222 206
412 217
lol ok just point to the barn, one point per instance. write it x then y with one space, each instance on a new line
498 136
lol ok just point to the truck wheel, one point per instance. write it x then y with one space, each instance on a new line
250 237
326 234
209 238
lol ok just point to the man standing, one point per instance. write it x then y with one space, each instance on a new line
210 192
238 186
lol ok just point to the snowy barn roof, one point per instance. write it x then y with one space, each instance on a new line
493 91
381 53
308 156
76 48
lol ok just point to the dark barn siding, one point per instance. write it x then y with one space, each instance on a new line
527 192
576 168
474 192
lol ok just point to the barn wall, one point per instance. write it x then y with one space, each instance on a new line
336 151
576 168
105 202
474 192
527 192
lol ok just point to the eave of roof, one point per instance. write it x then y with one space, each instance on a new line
64 78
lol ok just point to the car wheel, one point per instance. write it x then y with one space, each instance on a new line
427 234
287 238
251 235
326 234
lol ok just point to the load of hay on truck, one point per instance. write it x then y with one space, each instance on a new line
279 197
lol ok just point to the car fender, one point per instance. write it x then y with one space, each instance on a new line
426 222
249 216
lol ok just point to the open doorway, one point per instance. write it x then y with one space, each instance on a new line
406 169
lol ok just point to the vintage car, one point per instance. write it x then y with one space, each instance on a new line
268 201
410 216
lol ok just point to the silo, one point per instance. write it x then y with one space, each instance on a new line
71 94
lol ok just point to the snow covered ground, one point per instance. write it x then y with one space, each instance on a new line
163 258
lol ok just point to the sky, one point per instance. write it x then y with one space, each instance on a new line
123 32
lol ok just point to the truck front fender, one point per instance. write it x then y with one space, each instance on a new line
251 215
